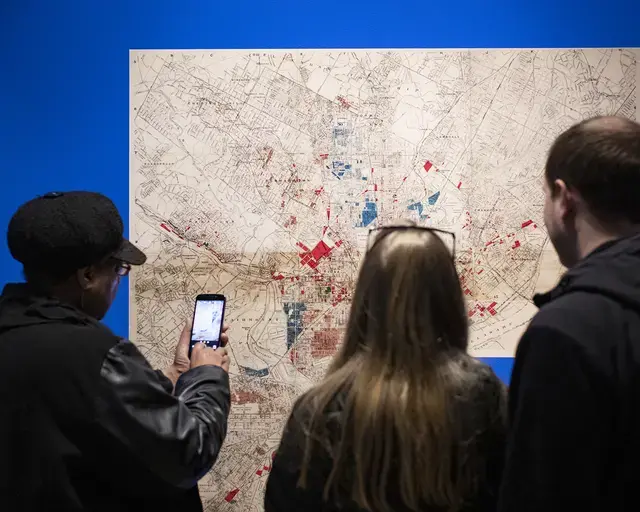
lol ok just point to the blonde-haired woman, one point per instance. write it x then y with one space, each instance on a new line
405 419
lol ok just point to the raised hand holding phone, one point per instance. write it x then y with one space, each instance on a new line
208 321
182 360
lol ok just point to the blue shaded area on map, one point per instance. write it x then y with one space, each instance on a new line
432 199
340 168
369 214
294 311
252 372
417 207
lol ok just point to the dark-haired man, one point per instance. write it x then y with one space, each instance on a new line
574 443
85 423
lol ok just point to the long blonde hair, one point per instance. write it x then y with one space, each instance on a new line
398 371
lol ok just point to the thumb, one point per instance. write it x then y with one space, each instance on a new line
197 348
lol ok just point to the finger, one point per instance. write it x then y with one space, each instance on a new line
224 339
222 350
185 335
225 327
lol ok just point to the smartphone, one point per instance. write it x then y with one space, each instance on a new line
208 317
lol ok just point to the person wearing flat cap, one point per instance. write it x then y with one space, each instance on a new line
85 423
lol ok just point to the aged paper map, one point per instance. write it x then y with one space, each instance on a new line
258 174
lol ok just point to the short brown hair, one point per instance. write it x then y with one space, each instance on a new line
600 159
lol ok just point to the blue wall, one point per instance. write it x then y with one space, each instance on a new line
64 69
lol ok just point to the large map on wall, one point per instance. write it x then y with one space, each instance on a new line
258 174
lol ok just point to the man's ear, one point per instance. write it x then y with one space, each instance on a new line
565 198
85 277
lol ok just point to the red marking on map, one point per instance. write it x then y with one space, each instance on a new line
328 213
527 223
427 166
324 156
320 250
313 257
229 497
459 183
164 226
268 158
516 244
319 191
188 228
325 343
343 102
278 277
245 397
375 187
491 308
259 472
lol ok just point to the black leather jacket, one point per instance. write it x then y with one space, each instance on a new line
88 425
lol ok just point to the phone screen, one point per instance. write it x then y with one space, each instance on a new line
207 322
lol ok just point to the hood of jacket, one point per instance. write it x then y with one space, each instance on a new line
22 306
613 270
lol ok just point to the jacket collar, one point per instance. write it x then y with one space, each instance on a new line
601 259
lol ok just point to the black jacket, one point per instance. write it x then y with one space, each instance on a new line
574 441
482 427
87 425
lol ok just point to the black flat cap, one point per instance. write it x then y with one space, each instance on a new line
61 232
